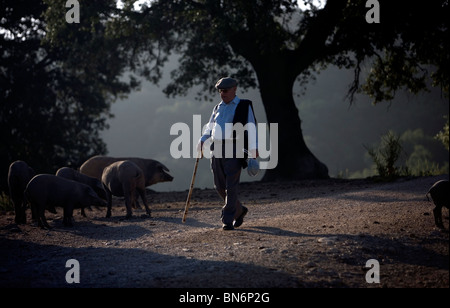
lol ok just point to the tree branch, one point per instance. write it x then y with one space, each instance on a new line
313 46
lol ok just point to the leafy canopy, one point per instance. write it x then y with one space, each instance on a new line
408 49
56 89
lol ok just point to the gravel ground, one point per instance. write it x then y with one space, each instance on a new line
304 234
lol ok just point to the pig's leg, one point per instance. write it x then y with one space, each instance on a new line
144 200
68 213
42 221
437 211
129 197
34 212
128 205
109 201
19 209
136 204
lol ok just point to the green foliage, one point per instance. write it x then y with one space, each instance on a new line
250 38
414 149
421 161
410 49
57 82
5 204
442 136
386 156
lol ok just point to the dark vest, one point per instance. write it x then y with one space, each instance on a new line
241 116
241 113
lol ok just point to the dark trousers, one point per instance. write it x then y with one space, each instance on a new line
227 173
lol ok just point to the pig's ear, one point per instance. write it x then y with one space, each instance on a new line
164 168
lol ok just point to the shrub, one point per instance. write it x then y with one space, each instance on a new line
5 204
386 156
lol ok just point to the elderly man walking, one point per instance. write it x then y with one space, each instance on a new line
229 142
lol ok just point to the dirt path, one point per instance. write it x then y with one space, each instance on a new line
297 234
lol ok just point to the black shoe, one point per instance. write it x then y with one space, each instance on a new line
227 227
240 219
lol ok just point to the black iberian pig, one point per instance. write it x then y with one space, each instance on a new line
440 193
46 191
19 174
74 175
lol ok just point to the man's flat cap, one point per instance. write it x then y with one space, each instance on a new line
226 83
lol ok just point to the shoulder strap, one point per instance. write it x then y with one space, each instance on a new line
241 116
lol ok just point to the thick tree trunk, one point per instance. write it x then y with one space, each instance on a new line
295 160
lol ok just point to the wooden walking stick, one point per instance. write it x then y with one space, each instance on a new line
186 208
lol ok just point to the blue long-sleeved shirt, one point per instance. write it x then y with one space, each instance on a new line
218 130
